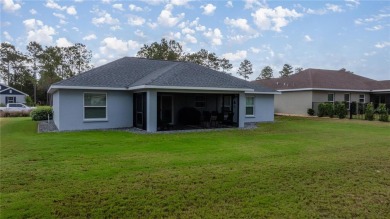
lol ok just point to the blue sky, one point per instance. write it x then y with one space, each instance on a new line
349 34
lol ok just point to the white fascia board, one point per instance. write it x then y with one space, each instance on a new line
11 88
188 88
384 90
321 89
53 88
254 92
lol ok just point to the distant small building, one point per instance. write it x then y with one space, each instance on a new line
11 95
310 87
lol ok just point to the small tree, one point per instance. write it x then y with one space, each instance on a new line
340 110
299 69
286 71
383 113
266 73
245 69
369 114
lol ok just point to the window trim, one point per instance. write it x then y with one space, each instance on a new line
95 119
364 98
349 100
10 97
253 106
333 95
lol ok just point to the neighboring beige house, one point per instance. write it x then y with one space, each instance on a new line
308 88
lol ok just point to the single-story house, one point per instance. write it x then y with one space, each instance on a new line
11 95
150 94
310 87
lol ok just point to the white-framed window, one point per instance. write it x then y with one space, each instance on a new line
362 98
347 100
95 106
200 101
250 106
331 98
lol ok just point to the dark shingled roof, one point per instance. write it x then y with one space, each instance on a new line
324 79
130 72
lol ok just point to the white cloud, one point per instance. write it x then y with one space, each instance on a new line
173 36
90 37
255 50
239 23
187 30
375 28
105 18
106 1
115 28
52 4
180 2
71 10
118 46
229 4
33 11
208 9
249 4
308 38
62 22
135 8
10 6
152 25
37 31
139 33
60 16
321 11
274 19
369 53
75 29
63 42
382 45
190 38
239 38
154 2
352 3
238 55
118 6
7 36
333 8
134 20
215 36
167 19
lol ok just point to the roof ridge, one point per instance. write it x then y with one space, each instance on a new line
155 74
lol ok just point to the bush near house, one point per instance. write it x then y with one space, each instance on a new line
42 113
369 113
326 109
15 114
383 113
310 112
340 110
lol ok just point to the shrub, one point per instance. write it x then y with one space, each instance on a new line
29 101
2 105
321 110
41 113
310 111
340 110
15 114
353 108
325 109
383 113
369 112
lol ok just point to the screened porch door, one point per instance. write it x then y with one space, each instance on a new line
140 110
165 108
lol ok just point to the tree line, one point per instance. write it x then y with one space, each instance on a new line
36 69
172 50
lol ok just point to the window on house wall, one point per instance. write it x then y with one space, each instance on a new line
10 99
95 106
250 106
347 100
362 98
200 102
330 97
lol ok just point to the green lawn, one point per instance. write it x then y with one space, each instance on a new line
293 168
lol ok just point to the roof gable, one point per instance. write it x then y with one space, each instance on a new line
12 91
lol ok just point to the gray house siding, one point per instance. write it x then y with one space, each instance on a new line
70 104
19 98
56 109
263 108
295 102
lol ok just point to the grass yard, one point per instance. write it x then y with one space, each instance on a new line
293 168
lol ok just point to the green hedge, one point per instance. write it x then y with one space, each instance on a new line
383 113
41 113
